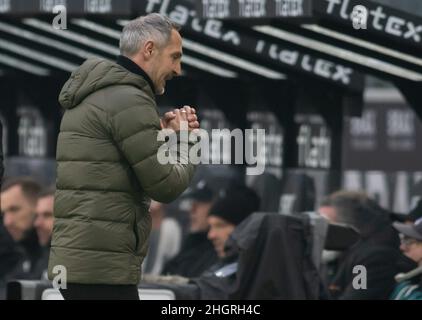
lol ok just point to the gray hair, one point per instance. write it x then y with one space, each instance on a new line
155 27
354 208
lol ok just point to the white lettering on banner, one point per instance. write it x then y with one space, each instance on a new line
287 202
214 28
314 151
220 9
32 133
273 155
185 17
216 8
98 6
363 131
319 67
48 5
394 26
364 126
381 21
5 6
400 129
392 190
289 8
252 8
400 123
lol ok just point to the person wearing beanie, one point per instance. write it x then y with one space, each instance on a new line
231 207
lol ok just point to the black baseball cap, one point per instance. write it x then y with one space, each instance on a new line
200 192
412 215
413 231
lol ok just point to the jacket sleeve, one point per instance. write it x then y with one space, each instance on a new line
135 130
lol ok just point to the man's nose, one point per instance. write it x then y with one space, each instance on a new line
7 220
178 69
403 247
37 222
210 234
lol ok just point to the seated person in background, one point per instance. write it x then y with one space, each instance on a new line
197 253
10 259
43 224
377 250
231 207
410 285
164 242
18 202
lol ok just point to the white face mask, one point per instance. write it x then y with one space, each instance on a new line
330 256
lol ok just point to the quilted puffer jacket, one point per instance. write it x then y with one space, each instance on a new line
107 172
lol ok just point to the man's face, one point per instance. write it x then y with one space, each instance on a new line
44 219
328 213
165 62
219 232
412 249
198 216
17 212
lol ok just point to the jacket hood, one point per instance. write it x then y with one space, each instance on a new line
93 75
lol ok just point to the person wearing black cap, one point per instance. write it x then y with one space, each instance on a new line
232 206
377 248
410 284
197 253
410 217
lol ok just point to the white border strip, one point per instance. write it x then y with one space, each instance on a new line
340 53
73 36
28 35
37 55
22 65
364 44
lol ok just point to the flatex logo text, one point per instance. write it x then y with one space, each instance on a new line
379 19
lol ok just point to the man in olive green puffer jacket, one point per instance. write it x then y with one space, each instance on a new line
107 162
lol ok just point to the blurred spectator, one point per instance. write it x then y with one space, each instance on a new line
165 240
11 257
18 201
377 250
231 207
410 284
44 226
197 253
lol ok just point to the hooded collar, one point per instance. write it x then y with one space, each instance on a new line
131 66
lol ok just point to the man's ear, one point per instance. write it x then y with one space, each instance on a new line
148 49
